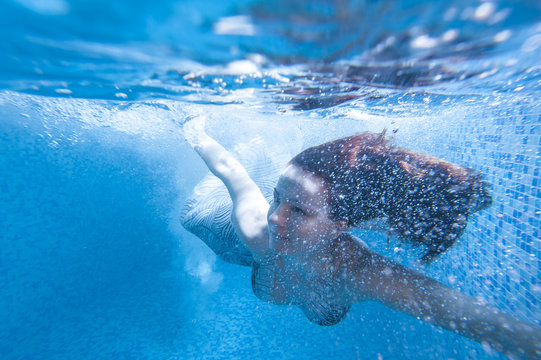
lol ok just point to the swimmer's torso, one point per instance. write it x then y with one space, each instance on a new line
318 291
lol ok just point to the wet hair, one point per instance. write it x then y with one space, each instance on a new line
425 201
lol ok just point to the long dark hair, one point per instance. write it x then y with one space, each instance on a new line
425 200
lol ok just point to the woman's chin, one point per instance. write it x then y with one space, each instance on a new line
279 249
282 249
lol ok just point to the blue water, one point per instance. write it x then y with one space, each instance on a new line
94 168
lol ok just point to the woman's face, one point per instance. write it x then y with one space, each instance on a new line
299 217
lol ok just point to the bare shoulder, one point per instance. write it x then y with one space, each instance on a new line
250 221
355 254
250 215
354 261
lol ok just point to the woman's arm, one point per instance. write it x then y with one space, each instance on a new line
417 295
249 205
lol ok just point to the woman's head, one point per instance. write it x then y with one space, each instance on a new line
299 217
425 200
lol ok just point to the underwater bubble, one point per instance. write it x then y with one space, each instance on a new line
484 11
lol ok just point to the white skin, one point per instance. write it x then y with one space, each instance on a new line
299 228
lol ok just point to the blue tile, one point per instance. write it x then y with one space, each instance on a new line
520 158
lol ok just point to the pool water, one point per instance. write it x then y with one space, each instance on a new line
94 168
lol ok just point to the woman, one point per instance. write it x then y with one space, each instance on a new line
304 256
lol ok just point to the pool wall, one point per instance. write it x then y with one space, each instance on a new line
498 259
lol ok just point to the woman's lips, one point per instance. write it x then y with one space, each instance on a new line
278 242
276 236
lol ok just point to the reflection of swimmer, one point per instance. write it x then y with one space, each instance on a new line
304 255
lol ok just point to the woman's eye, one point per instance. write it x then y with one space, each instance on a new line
298 210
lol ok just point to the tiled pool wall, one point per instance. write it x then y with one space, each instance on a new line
499 257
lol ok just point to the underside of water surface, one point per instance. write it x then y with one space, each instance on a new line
94 167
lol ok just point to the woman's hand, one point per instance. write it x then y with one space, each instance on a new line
194 131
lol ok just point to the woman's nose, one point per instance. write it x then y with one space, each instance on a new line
278 216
